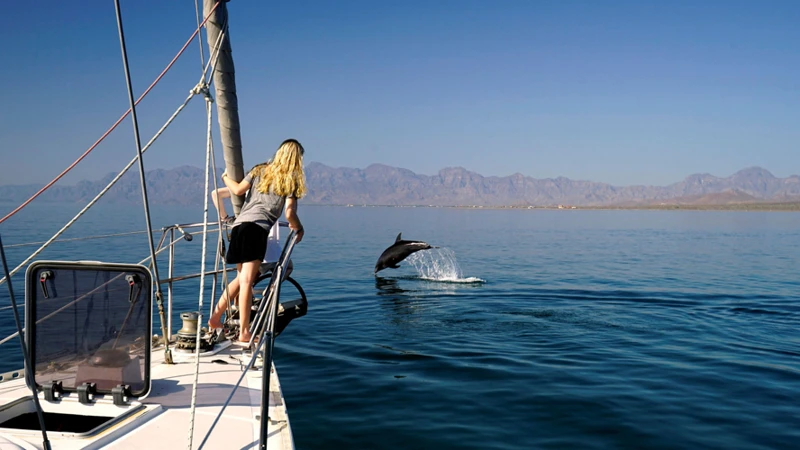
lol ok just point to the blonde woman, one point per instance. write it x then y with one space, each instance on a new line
270 187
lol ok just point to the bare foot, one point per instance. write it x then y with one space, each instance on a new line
245 337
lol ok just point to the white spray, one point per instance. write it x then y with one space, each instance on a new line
439 264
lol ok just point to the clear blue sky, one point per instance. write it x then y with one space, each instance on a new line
625 92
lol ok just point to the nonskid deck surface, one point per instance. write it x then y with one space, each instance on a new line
166 419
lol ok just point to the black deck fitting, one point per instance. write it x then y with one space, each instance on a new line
86 392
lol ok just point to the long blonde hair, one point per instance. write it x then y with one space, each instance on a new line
283 175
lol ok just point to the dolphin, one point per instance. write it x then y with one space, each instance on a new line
398 252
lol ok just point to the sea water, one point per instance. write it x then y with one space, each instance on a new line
580 329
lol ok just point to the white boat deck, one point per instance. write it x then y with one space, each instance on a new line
165 418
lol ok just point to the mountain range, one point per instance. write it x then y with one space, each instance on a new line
379 184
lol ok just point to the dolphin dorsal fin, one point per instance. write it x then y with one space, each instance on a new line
398 237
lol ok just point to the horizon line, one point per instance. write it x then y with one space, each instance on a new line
753 167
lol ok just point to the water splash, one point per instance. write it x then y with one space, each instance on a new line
439 264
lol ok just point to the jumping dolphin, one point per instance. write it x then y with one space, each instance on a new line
398 252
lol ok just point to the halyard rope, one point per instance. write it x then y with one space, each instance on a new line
202 87
209 150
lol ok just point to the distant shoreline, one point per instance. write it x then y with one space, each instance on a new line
775 207
764 207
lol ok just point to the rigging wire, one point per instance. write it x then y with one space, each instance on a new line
114 126
220 239
200 88
140 150
104 191
194 91
198 15
26 356
145 260
138 142
83 238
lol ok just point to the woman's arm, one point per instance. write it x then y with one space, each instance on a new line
236 188
291 217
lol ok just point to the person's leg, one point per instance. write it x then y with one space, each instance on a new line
247 276
230 292
218 196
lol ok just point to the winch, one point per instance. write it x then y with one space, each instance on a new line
186 338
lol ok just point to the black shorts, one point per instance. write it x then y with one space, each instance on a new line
248 243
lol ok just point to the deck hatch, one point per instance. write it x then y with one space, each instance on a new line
89 322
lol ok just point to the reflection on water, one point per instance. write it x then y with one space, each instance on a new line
388 286
410 300
400 304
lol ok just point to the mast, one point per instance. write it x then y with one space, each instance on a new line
225 88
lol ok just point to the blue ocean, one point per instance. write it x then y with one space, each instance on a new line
523 329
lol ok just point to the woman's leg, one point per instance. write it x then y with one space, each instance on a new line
230 292
247 276
217 196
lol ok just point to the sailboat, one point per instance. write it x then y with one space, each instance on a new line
96 376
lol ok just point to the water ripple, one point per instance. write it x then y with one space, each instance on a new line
593 330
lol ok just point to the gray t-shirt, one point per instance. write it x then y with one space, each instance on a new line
262 209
